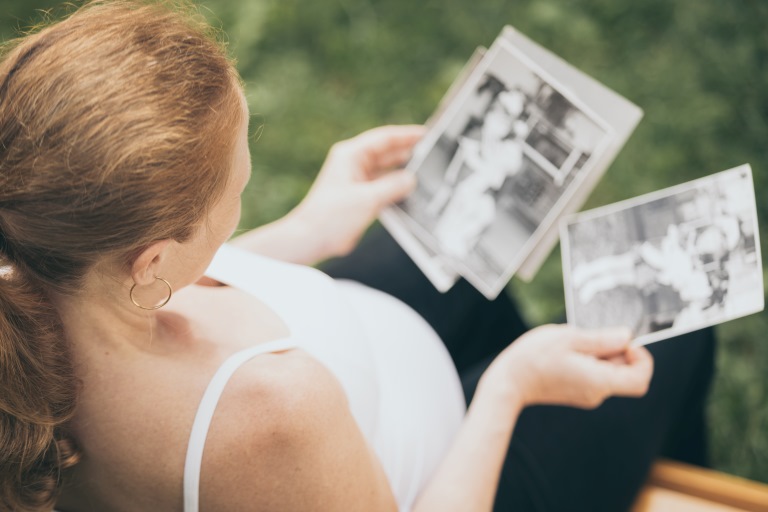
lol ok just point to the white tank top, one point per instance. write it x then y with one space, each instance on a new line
402 387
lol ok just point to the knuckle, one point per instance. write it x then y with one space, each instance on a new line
340 148
591 401
597 399
387 129
548 330
642 389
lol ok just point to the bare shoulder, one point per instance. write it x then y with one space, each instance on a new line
277 389
283 439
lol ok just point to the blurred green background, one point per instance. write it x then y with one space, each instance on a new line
318 71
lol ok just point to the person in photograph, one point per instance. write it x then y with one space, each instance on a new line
468 207
714 245
692 264
672 262
149 364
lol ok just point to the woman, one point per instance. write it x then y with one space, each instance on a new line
130 382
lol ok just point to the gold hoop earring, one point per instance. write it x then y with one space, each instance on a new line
167 299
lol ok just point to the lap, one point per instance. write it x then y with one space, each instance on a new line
471 327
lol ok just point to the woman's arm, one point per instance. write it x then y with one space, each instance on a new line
548 365
359 178
469 475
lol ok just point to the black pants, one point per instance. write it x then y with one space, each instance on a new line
560 458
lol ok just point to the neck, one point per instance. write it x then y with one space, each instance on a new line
104 318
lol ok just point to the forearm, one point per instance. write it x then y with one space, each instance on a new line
469 475
555 365
287 239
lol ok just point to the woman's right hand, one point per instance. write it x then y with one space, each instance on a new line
565 365
553 364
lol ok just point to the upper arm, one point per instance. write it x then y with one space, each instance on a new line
283 439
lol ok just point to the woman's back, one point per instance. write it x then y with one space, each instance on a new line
384 378
136 408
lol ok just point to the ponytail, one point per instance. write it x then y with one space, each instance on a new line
37 397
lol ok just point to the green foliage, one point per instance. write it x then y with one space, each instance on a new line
322 70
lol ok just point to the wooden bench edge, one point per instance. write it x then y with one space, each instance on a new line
710 485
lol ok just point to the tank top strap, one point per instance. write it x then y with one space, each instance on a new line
205 412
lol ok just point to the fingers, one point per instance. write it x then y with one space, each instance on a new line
622 370
633 378
603 343
618 359
390 188
391 159
386 146
387 138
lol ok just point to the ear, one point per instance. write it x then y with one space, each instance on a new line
146 266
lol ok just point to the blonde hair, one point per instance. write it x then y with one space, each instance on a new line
117 128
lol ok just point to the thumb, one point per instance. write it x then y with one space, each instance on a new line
633 378
391 187
601 342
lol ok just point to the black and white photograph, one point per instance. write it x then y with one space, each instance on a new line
433 264
669 262
496 168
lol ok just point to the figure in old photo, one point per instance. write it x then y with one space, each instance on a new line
467 206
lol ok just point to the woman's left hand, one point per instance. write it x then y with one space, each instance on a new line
360 177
